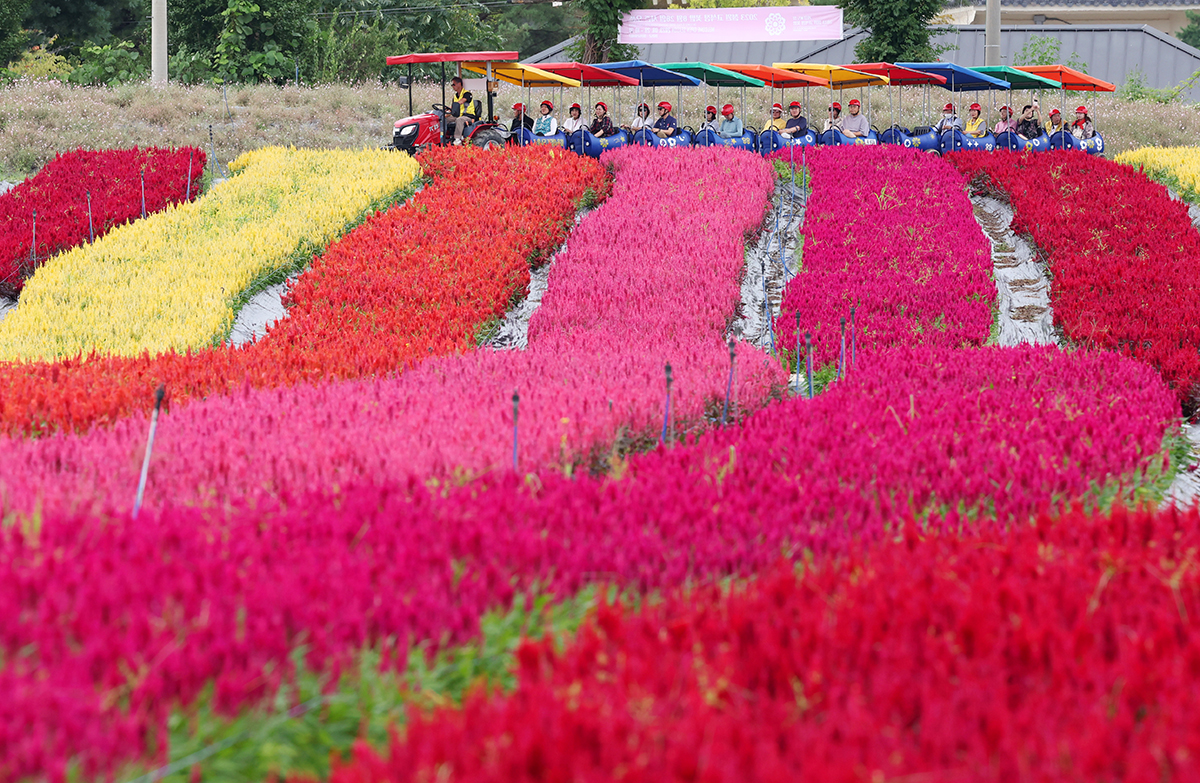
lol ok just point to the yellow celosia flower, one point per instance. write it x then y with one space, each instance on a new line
173 279
1178 167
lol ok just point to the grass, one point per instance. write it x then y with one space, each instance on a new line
44 117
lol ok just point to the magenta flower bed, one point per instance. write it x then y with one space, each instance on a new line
153 611
889 230
651 277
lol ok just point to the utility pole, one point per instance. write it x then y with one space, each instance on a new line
158 42
991 34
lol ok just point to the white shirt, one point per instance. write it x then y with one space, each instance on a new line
570 124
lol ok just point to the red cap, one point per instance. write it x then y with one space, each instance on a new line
665 105
519 107
1054 111
948 107
1081 110
777 107
855 102
835 105
727 109
794 105
602 104
645 106
1007 108
575 106
548 103
712 109
975 107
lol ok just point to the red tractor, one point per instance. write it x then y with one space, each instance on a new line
436 127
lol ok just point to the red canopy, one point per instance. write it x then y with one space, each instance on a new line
589 75
1071 79
776 77
899 77
450 57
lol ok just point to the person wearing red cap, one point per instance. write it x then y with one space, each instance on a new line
602 126
710 120
855 124
777 122
796 124
731 125
642 120
666 125
1083 127
834 120
546 125
520 119
949 120
573 122
1056 123
1008 123
974 125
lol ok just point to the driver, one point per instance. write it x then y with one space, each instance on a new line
602 125
665 126
464 115
855 124
456 85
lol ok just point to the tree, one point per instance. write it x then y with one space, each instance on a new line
1047 50
899 32
533 27
79 22
601 23
1190 35
12 34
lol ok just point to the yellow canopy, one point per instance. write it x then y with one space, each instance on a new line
839 78
521 75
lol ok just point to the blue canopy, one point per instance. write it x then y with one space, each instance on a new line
958 78
650 75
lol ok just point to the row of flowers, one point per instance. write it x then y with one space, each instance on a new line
889 232
594 371
95 659
412 282
81 195
1178 167
1063 651
1121 254
175 279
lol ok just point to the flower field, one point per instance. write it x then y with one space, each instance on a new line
923 572
83 194
1177 167
889 232
419 282
172 281
1125 276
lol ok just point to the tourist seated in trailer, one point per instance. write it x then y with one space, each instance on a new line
710 120
573 122
949 120
731 124
546 125
520 119
974 125
1008 123
601 125
796 124
834 120
855 124
1029 126
465 112
666 125
642 120
1083 127
777 122
1056 123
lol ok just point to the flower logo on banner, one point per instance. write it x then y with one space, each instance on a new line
775 24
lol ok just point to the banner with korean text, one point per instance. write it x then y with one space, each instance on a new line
721 25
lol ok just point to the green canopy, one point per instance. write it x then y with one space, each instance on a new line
711 74
1017 80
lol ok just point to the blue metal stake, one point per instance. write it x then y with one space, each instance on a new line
853 339
729 386
808 344
191 154
141 490
91 231
668 430
797 363
516 398
842 360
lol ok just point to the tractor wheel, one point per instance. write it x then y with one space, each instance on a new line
488 139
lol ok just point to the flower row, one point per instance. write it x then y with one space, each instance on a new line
175 280
415 281
1178 167
1063 651
224 599
594 371
888 233
81 195
1122 255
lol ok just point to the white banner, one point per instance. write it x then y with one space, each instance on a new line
724 25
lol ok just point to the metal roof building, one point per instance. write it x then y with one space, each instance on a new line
1111 52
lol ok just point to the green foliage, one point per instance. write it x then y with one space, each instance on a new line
533 27
601 23
1190 34
189 67
110 64
248 49
12 34
41 63
1135 88
1047 50
898 31
79 22
349 50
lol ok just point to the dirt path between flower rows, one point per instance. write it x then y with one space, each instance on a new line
769 267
